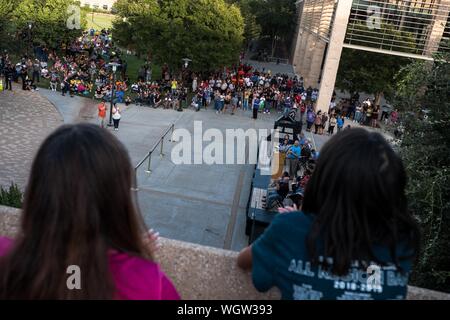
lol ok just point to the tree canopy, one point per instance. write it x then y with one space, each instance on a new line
48 18
423 93
272 19
369 72
209 32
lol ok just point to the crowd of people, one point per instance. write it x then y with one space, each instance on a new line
366 113
85 70
82 67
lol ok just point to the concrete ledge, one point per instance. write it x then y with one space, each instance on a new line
205 273
9 221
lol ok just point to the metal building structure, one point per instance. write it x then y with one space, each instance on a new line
408 28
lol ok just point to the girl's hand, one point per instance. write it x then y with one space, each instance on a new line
288 209
151 241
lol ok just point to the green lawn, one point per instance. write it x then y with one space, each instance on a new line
134 63
99 21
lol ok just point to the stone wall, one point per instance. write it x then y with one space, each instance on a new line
204 273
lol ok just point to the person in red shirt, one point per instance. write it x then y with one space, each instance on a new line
102 113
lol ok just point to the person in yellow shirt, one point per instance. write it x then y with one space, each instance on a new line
174 85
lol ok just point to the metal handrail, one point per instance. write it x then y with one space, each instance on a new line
150 153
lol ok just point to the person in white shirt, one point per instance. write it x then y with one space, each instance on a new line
194 85
116 117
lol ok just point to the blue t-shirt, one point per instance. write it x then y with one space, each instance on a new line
296 152
256 104
280 259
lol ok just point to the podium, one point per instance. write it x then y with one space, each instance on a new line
258 219
278 160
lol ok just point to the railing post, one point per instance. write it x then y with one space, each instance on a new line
171 136
149 163
161 154
135 188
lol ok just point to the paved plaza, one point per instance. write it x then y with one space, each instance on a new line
26 118
203 204
199 203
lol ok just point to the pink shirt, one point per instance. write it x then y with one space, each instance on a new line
135 278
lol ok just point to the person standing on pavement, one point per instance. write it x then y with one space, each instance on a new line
318 122
255 108
310 118
36 71
340 123
292 158
102 113
324 123
332 124
116 117
8 71
23 76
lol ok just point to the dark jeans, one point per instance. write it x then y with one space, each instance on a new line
36 76
255 113
116 123
24 87
8 84
65 89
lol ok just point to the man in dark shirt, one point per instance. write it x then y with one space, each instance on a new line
23 76
8 71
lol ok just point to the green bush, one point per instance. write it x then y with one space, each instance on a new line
11 197
423 93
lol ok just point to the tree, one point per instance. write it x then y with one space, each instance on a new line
209 32
49 19
252 29
7 28
273 19
369 72
423 92
277 20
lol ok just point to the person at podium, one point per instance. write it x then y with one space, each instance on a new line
292 157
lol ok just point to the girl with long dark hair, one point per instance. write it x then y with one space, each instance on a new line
78 211
354 237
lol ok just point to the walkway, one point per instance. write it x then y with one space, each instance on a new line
203 204
26 118
196 203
